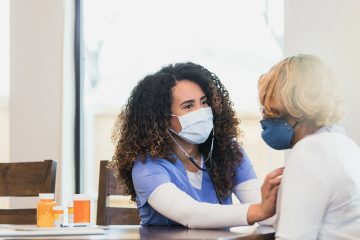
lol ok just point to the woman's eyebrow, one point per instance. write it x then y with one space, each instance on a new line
187 101
192 100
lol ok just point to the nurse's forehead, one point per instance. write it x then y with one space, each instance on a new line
186 89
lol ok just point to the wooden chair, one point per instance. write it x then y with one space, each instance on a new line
25 179
108 185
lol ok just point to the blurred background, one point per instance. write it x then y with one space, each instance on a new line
126 40
67 67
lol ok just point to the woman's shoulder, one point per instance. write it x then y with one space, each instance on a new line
245 170
151 163
245 160
323 142
151 169
322 148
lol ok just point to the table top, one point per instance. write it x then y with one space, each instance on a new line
160 232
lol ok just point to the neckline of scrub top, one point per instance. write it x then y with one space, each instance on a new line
207 190
195 178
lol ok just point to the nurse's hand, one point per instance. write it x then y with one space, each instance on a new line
269 189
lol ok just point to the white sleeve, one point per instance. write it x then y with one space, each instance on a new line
250 192
303 195
178 206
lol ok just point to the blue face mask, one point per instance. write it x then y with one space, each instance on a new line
277 133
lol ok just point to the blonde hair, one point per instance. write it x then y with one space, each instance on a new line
303 87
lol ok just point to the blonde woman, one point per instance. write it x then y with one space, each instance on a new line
319 197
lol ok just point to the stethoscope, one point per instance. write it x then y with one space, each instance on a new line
193 161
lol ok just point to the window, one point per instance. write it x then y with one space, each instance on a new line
126 40
4 49
4 80
4 85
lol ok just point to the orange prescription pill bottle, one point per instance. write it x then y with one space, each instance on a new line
70 207
81 209
45 214
59 215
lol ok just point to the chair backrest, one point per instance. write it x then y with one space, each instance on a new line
108 185
25 179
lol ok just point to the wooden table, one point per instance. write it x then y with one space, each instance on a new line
184 233
147 232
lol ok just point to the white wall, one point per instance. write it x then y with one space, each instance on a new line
329 29
41 109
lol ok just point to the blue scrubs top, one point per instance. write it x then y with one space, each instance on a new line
149 175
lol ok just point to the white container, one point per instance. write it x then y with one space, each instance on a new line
70 208
59 216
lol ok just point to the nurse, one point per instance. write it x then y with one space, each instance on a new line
319 196
178 155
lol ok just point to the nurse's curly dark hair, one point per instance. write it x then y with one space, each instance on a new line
141 128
